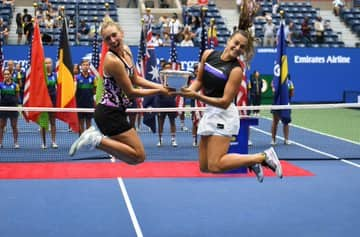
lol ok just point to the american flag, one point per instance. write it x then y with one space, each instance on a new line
241 97
151 69
204 36
142 55
27 74
173 53
95 49
1 61
147 67
196 114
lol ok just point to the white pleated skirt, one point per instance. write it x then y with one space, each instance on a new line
221 122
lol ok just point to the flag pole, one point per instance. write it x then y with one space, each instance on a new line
203 43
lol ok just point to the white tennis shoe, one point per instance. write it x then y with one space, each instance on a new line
272 161
90 138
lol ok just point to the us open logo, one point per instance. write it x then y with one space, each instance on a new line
277 70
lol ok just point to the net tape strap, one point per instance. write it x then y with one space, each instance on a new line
187 109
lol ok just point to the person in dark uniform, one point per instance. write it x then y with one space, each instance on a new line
9 96
51 85
219 78
19 77
164 101
255 86
85 91
277 115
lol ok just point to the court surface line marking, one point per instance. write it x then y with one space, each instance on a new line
311 149
129 206
318 132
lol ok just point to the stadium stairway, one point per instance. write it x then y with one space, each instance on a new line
338 26
231 17
130 21
12 40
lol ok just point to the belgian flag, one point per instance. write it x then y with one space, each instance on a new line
65 81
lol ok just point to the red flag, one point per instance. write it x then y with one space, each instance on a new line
35 91
65 84
241 97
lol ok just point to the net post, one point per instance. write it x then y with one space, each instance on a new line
239 143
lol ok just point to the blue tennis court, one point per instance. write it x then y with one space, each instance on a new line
322 201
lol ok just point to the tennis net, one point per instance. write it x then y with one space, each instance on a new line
317 132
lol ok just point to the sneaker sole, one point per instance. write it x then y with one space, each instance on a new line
259 177
278 169
74 146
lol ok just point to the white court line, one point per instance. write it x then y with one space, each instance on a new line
129 205
311 149
130 208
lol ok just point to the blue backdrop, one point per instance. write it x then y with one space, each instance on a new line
319 74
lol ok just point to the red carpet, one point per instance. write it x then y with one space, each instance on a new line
186 169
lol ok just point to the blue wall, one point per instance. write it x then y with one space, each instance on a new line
319 74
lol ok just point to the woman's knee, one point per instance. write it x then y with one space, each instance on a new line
139 157
215 166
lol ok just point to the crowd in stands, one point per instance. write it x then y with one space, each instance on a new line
304 27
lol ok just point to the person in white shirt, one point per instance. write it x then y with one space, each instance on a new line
269 33
337 6
187 41
319 30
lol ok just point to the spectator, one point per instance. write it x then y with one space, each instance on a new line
20 76
176 28
197 36
71 22
83 30
166 101
306 31
255 87
238 5
166 40
269 33
275 7
156 40
85 90
290 33
19 27
162 23
29 29
319 30
9 2
48 22
212 33
187 41
195 23
9 93
4 31
337 6
51 85
11 67
149 19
